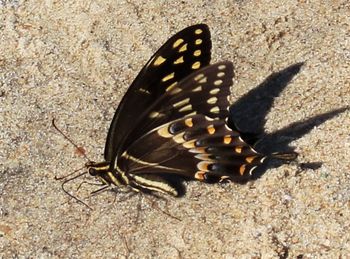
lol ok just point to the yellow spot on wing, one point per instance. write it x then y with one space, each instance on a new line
198 150
216 109
145 91
203 166
198 41
186 108
192 113
171 87
198 77
212 100
197 89
163 132
220 74
176 90
183 48
179 60
154 115
222 67
189 122
196 65
203 156
177 43
160 60
197 53
214 91
189 144
181 103
203 80
218 82
179 138
168 77
198 31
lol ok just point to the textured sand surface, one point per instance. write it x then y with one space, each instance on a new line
73 60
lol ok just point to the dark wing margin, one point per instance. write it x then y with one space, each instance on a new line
186 51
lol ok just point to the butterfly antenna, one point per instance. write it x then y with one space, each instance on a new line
63 177
71 195
69 139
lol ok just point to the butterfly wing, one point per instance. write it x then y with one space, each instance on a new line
204 92
183 53
197 147
193 139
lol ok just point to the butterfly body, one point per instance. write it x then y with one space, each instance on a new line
172 122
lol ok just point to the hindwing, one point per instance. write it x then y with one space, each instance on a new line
184 133
196 147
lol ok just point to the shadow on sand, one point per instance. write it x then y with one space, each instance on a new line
249 113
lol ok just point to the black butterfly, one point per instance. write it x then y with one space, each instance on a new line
172 122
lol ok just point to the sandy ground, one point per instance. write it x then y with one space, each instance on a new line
73 60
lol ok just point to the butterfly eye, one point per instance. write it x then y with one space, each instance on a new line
92 171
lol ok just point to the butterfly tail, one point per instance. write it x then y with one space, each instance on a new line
286 156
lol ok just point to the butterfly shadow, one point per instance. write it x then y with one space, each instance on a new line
249 113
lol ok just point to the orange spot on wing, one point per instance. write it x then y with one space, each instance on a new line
250 159
200 175
211 129
242 169
227 139
189 122
238 150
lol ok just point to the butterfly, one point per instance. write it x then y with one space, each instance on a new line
172 122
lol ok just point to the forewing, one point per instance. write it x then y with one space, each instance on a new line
183 53
205 92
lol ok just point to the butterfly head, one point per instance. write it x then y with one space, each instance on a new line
100 170
105 174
